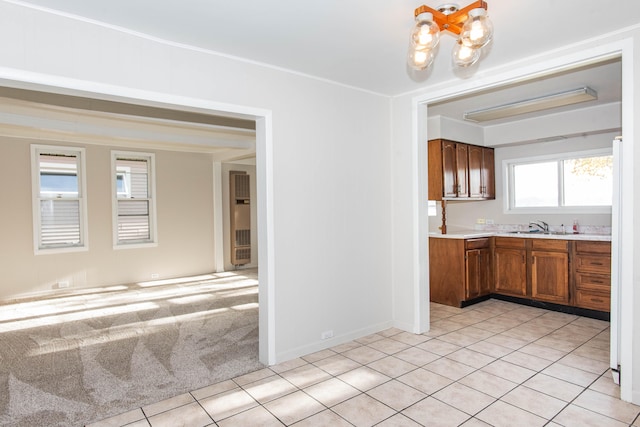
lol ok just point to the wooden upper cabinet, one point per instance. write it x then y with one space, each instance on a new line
488 174
449 170
481 173
459 171
462 169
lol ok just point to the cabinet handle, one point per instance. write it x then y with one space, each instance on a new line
596 300
596 263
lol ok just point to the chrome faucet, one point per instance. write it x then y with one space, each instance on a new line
543 226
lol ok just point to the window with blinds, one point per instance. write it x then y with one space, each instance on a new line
134 203
59 201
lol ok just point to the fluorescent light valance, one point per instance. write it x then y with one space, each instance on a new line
560 99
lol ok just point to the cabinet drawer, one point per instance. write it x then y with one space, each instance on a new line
550 245
593 247
597 263
595 282
593 300
510 242
477 243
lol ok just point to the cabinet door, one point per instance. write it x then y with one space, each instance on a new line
478 265
476 171
488 174
486 271
550 276
462 169
449 171
510 271
474 275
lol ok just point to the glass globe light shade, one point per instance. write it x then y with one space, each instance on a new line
425 33
463 55
420 59
477 30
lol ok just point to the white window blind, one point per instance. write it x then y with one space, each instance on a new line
134 203
59 221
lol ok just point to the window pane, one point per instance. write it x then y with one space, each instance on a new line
58 175
535 184
132 178
588 181
60 222
133 220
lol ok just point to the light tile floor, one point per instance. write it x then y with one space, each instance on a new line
491 364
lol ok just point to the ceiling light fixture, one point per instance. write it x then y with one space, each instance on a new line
471 24
560 99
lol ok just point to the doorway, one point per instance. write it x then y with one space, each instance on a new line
622 244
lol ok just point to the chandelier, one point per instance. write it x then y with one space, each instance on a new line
470 24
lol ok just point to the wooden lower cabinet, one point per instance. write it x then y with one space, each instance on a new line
591 275
510 270
459 269
571 273
549 266
532 268
478 269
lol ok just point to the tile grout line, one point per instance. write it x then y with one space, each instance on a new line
440 357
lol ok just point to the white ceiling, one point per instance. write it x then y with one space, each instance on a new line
354 42
361 44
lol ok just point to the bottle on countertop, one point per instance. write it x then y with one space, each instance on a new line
575 226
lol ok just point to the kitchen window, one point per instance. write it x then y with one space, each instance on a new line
59 199
565 183
133 191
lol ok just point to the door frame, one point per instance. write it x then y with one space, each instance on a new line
14 78
623 243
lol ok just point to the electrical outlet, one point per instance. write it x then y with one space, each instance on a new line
326 335
490 222
154 275
63 284
480 221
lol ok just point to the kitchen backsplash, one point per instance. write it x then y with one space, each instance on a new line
568 228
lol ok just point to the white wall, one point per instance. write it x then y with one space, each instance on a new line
331 171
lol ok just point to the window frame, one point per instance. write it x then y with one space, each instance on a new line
151 198
36 198
509 190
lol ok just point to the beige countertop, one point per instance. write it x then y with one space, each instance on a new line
472 234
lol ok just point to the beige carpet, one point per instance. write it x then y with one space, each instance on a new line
78 358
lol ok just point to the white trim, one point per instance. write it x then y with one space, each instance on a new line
419 168
627 231
218 218
266 238
150 158
578 57
14 78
